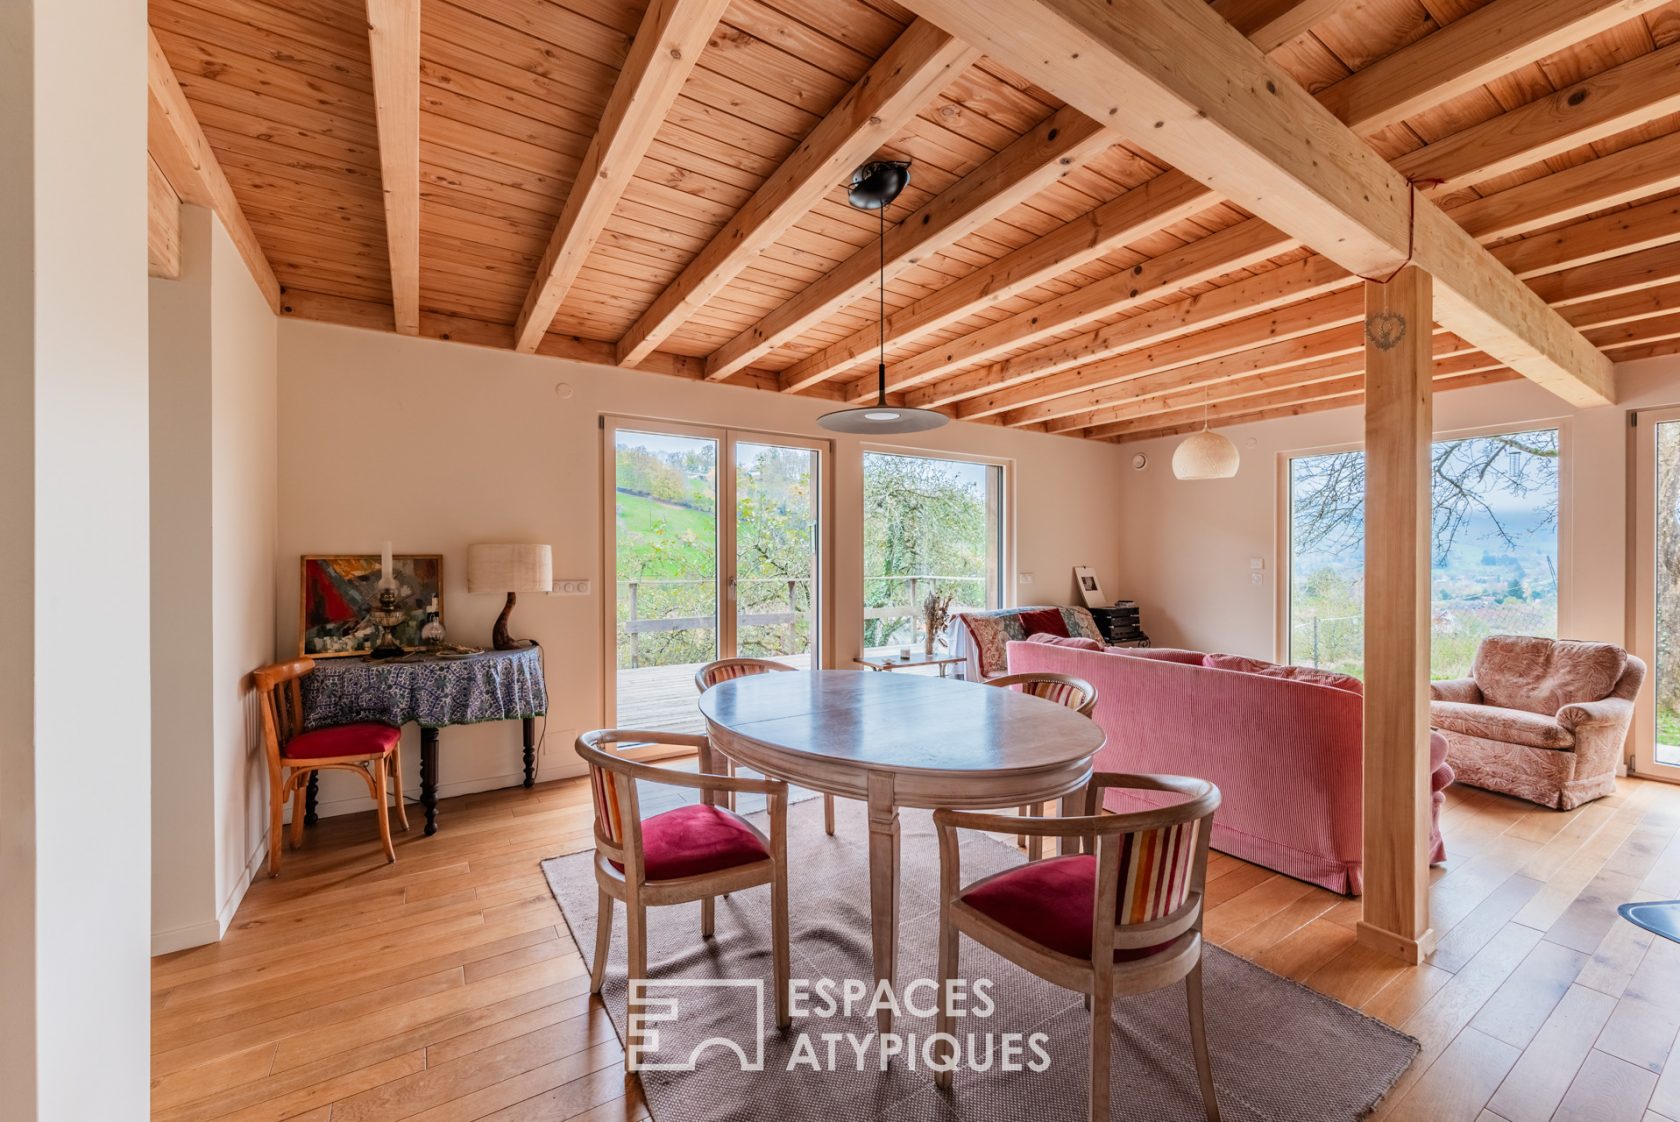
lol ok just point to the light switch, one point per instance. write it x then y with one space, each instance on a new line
1257 564
571 588
1024 578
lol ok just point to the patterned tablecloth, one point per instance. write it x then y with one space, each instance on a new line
430 691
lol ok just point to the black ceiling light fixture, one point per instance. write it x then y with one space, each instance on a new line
873 187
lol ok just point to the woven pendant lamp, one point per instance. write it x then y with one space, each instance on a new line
1206 455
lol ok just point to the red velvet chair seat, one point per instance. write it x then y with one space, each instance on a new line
1050 902
691 840
343 740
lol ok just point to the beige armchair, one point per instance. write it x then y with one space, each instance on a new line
1542 719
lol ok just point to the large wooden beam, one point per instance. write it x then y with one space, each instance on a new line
1502 37
1398 432
666 48
178 145
1164 200
394 43
921 62
163 225
1058 145
1238 123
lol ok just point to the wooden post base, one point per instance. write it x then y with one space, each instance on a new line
1408 950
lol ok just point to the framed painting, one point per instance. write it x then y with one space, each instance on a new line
1089 590
340 589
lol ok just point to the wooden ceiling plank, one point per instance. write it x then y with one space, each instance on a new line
1269 24
1038 158
666 48
1621 177
178 145
1613 101
921 62
394 45
1215 255
1238 123
1159 203
1502 37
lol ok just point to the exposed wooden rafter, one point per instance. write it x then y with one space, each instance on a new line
913 70
667 46
1060 143
1241 125
178 146
1269 24
394 44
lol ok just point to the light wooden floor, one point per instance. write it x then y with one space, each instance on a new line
440 988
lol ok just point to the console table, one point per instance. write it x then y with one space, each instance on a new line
434 691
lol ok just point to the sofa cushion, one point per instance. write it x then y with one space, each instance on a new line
1044 621
991 632
1507 726
1312 675
1079 644
1081 623
1543 675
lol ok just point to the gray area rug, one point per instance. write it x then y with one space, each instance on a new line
1281 1052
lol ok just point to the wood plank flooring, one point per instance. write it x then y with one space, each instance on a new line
443 988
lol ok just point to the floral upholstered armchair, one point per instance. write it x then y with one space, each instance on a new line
1542 719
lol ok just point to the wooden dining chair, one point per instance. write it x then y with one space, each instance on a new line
723 670
372 751
694 852
1064 689
1121 916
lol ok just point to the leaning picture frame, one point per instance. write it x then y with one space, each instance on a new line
339 590
1090 591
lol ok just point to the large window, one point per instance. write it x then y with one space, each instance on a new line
1494 549
929 525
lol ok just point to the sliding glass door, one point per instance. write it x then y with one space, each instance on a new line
1656 631
715 552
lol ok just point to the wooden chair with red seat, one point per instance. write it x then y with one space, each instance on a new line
1064 689
1122 915
723 670
693 852
372 751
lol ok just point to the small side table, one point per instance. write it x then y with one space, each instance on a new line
917 658
433 691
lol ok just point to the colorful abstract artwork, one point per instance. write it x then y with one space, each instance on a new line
339 592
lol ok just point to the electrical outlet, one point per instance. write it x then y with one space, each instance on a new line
1256 579
571 588
1025 578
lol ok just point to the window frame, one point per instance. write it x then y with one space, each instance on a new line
1283 504
1005 577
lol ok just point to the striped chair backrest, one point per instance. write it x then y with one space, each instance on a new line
1157 868
1063 689
1062 693
603 786
725 669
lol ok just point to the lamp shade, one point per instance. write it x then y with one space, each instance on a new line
1206 455
510 568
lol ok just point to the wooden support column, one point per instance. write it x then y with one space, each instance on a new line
1398 360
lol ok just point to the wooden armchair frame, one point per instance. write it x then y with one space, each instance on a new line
630 884
712 673
1100 978
1064 689
280 689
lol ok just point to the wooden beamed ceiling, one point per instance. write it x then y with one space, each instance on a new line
660 185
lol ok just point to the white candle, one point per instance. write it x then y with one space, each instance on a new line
386 579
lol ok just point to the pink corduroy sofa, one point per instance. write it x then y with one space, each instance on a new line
1287 755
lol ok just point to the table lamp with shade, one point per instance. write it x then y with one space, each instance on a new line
509 568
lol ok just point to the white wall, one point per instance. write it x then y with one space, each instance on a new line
437 445
214 492
1188 565
75 743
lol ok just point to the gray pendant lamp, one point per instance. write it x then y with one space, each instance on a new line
874 186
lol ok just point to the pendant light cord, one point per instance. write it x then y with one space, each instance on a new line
881 310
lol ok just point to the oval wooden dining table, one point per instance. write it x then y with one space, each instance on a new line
901 740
